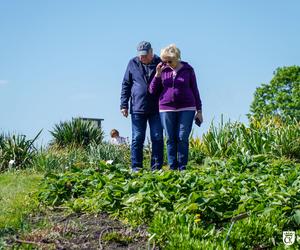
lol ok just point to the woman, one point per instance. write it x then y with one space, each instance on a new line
116 139
179 103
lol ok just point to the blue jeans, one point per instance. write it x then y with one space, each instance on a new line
139 126
178 126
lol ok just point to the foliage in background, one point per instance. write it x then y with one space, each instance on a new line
1 139
76 133
197 153
59 160
107 151
280 97
268 136
16 151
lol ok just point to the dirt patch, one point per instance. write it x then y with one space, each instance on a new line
81 231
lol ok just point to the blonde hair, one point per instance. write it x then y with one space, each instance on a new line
170 51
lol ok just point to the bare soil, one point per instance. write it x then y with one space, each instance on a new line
79 231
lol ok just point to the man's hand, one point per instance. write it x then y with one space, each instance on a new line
124 112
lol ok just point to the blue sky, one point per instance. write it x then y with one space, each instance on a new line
61 59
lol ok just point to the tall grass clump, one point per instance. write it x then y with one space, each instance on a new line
16 151
55 159
106 152
76 133
59 160
268 136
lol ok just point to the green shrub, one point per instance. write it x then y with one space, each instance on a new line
268 136
16 151
76 133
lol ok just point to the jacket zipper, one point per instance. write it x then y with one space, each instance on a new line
173 86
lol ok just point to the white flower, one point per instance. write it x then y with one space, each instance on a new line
109 162
11 162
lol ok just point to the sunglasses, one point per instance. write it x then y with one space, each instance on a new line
169 62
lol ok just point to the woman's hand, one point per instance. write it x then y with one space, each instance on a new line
159 69
199 116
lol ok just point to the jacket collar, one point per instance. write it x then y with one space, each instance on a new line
185 66
155 60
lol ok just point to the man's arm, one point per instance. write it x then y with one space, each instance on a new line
126 91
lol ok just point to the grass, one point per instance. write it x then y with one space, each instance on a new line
117 237
15 199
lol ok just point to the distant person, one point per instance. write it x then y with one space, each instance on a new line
116 139
179 103
143 106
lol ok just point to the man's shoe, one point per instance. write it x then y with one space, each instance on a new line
181 168
135 170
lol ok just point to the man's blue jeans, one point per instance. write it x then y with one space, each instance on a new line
178 126
139 126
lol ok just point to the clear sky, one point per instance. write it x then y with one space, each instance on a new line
64 58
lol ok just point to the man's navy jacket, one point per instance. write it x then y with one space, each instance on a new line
135 87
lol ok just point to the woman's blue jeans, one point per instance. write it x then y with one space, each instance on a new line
178 126
139 126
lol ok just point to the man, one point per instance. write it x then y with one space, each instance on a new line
143 106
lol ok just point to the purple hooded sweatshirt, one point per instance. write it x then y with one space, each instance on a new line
177 93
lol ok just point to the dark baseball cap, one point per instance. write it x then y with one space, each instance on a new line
143 48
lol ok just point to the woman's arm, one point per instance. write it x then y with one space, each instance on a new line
156 83
195 91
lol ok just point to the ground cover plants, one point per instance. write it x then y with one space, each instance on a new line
239 170
241 190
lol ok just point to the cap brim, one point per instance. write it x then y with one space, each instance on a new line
142 52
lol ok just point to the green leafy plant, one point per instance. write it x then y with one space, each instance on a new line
268 136
76 133
206 198
245 170
16 151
